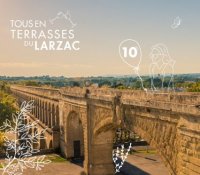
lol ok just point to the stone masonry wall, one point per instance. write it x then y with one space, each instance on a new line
170 122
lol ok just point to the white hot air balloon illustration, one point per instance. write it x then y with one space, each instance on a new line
131 54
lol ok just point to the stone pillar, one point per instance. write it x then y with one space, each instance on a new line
34 107
37 108
188 146
31 98
57 116
53 119
35 145
45 115
40 117
49 115
56 137
42 111
100 161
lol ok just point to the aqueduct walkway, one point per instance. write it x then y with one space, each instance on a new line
83 121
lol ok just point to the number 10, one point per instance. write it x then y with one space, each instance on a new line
131 52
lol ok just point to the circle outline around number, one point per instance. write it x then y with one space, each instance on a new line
140 58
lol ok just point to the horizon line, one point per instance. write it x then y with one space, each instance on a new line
114 75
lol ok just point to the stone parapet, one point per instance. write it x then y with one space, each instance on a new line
170 122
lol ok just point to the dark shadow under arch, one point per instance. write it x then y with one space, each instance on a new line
75 137
43 143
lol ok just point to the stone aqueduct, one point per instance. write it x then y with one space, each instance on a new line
170 122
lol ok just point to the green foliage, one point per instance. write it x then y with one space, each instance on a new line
4 86
182 82
1 139
2 142
31 83
194 87
7 106
56 158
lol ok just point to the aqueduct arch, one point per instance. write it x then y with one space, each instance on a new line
101 149
75 137
159 128
168 121
43 143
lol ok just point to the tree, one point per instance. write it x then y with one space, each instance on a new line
20 149
7 106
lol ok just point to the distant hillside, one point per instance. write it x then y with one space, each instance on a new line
182 82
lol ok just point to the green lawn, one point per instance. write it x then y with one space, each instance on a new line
56 158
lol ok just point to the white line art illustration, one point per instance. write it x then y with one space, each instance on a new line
161 61
119 157
66 16
131 54
176 23
19 150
